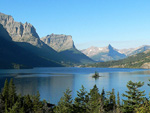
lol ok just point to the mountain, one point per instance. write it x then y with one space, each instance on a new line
28 38
27 35
59 42
140 60
65 46
133 51
14 56
103 54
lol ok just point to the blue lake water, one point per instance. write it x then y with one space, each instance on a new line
52 82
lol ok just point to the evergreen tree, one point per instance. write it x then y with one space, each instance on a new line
94 100
37 104
27 104
5 95
118 103
15 108
111 102
11 93
2 105
102 101
81 101
134 96
65 103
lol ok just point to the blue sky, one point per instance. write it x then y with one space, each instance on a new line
121 23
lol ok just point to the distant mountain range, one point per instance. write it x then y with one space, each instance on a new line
140 60
109 53
24 36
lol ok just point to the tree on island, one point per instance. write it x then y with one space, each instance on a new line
96 75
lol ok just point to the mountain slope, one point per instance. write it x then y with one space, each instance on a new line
133 51
140 60
29 39
103 54
14 56
65 46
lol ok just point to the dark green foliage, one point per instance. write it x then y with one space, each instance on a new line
118 110
10 102
134 96
110 102
65 104
96 75
81 101
11 93
28 104
37 104
92 102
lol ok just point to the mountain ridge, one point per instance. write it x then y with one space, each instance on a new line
14 56
64 45
103 54
28 39
98 52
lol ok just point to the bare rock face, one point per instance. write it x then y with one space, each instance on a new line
59 42
20 32
146 65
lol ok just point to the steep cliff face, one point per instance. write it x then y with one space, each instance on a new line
20 32
28 39
14 56
65 46
59 42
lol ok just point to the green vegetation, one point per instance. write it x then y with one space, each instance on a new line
92 102
135 61
96 75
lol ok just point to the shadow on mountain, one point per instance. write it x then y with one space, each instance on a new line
14 56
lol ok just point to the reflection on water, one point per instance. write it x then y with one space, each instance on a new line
52 82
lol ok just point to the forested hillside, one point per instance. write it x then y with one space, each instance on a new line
141 60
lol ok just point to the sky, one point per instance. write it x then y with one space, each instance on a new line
121 23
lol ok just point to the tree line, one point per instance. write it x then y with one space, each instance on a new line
85 102
134 61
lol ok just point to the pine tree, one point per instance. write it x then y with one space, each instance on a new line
81 101
111 102
11 93
37 104
2 105
118 103
94 100
134 96
5 95
15 108
27 104
65 103
102 101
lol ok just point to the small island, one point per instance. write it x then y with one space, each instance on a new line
96 75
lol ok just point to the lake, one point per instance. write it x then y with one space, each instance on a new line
52 82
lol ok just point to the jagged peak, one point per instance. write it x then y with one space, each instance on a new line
110 46
60 35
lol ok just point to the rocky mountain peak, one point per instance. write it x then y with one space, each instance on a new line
110 48
59 42
20 32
